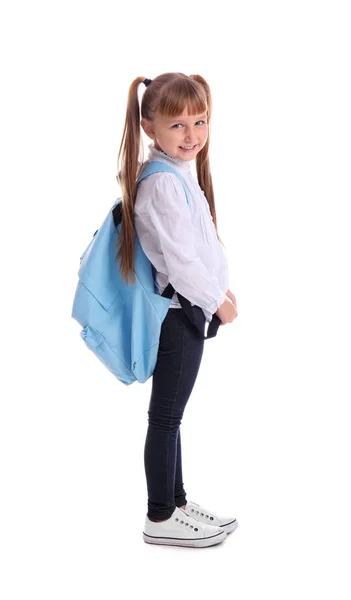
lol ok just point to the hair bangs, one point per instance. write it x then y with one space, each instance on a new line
180 95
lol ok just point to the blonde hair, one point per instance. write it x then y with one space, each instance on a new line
168 95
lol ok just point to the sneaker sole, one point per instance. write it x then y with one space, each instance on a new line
195 543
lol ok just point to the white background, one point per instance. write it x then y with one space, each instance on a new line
266 432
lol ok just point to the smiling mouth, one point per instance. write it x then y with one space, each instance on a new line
188 148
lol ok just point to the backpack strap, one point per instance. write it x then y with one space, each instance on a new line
156 166
194 313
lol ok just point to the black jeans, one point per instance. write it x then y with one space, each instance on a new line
178 362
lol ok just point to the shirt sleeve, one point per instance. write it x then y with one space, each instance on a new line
170 215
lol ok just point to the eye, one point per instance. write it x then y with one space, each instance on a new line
175 126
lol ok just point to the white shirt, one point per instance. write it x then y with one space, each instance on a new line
182 245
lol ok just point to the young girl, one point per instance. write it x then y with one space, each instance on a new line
185 249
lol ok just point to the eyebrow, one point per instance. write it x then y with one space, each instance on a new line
171 119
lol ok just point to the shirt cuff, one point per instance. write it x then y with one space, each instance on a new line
214 307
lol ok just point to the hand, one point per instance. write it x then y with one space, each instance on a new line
231 297
227 311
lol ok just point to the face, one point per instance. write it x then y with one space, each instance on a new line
174 134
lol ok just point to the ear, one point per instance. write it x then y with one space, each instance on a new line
147 127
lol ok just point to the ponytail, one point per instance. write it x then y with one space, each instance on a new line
129 163
202 159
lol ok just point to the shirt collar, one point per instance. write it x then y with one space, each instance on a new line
180 165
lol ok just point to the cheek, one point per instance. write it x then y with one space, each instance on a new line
168 135
173 137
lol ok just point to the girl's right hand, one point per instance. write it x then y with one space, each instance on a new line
227 311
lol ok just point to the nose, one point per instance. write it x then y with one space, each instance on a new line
190 137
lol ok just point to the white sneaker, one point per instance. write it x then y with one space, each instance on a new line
182 530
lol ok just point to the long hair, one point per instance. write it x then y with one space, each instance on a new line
168 95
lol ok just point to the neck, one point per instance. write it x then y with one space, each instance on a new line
155 153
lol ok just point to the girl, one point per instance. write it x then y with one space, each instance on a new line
185 249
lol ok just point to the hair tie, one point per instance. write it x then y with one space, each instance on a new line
147 81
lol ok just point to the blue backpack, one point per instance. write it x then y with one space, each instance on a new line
122 322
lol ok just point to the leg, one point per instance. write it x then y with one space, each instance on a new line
179 492
178 362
